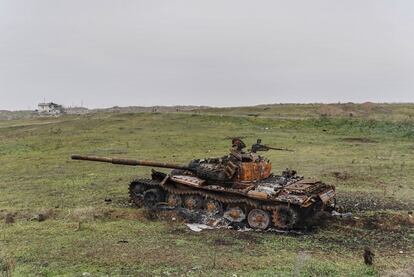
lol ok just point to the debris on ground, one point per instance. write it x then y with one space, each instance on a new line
368 256
198 221
40 217
9 218
197 227
341 215
107 200
123 241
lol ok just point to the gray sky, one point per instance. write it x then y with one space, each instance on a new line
215 52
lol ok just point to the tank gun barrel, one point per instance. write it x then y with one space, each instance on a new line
130 162
260 147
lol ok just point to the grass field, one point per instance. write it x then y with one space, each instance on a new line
56 222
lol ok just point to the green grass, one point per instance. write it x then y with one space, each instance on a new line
37 176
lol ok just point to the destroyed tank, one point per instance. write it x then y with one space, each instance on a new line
239 186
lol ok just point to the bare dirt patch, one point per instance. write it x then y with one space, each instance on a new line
248 237
222 242
92 213
341 175
359 140
372 201
388 233
382 221
10 217
404 272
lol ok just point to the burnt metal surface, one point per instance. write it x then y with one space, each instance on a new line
239 185
259 219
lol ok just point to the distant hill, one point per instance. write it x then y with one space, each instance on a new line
161 109
8 115
368 110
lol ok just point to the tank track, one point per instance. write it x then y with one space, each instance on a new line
144 183
222 197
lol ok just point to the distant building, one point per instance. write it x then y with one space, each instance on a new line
50 108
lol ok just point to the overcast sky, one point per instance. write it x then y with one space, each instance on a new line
215 52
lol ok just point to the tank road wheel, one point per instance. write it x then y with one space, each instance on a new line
213 207
234 214
136 193
258 219
174 200
193 202
284 217
152 197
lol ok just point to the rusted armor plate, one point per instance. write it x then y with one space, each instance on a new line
327 196
291 198
254 171
188 180
301 186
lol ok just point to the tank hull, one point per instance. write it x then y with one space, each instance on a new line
286 202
